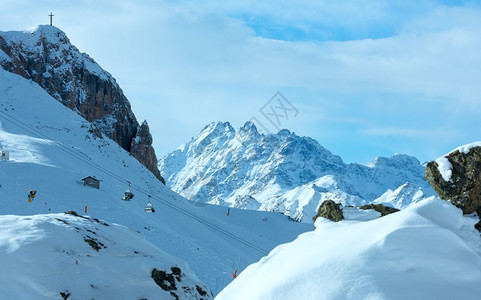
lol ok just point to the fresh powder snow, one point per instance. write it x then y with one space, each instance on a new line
45 255
426 251
445 168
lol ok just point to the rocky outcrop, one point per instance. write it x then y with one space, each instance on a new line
384 210
169 281
329 210
463 187
141 148
46 56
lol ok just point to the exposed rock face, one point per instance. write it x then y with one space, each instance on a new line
46 56
384 210
330 210
169 281
463 188
141 148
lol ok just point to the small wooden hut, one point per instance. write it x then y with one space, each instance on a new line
92 182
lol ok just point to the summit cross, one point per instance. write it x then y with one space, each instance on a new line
51 15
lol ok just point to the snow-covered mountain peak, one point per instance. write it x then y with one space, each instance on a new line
397 159
402 196
51 34
215 128
62 55
284 132
279 172
212 137
249 127
248 132
45 55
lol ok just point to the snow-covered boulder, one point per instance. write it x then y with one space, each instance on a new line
77 257
426 251
456 177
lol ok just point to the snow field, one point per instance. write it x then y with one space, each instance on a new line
427 251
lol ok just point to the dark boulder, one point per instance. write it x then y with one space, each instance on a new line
329 210
384 210
463 189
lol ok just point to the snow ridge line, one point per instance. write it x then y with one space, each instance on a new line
68 151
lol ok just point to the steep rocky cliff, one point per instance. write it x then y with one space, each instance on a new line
457 177
46 56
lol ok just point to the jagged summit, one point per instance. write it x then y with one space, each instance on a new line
216 129
56 49
396 159
248 129
45 55
281 172
50 33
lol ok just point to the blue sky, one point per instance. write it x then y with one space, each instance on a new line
368 78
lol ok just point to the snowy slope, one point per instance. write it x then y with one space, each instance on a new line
45 255
52 149
427 251
401 197
281 172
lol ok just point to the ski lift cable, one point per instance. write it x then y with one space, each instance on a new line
61 146
70 152
115 176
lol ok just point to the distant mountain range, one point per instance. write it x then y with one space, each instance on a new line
284 172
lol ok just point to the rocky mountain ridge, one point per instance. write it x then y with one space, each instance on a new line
46 56
284 172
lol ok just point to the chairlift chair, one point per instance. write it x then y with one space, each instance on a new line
31 195
149 207
128 194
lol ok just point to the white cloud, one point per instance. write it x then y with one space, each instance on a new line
184 64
